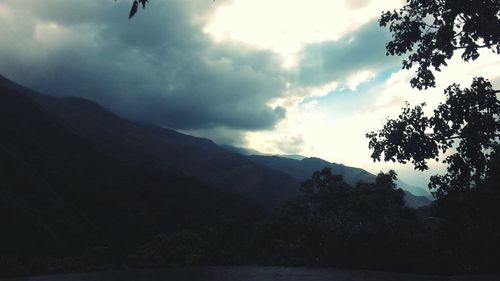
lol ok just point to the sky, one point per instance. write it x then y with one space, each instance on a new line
281 77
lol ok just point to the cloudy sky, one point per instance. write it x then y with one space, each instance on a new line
279 76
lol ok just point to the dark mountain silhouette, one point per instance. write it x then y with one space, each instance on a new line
153 147
62 191
251 152
302 170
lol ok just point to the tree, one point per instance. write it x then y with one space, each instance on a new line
429 33
432 30
332 223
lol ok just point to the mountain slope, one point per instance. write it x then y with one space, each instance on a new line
303 169
418 191
61 192
151 147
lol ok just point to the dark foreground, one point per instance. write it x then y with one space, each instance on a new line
252 273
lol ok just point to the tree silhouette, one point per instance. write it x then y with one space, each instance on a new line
430 32
332 224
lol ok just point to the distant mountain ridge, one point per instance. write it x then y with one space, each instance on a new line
302 168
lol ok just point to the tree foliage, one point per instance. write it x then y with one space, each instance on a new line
468 122
430 31
332 223
470 115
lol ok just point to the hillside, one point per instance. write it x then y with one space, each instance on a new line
62 192
153 147
302 170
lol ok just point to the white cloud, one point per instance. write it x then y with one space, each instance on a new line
284 26
359 77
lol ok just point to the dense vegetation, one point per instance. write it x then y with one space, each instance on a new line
329 224
367 226
464 130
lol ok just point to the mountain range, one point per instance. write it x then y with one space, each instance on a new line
77 174
69 183
301 168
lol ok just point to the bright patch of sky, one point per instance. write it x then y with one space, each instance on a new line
284 26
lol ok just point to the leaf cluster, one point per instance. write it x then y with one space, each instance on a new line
135 6
430 31
468 121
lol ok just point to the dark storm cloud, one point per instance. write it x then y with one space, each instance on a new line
336 60
158 67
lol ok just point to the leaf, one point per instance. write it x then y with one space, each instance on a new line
133 10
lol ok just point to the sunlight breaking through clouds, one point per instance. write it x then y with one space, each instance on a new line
286 26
